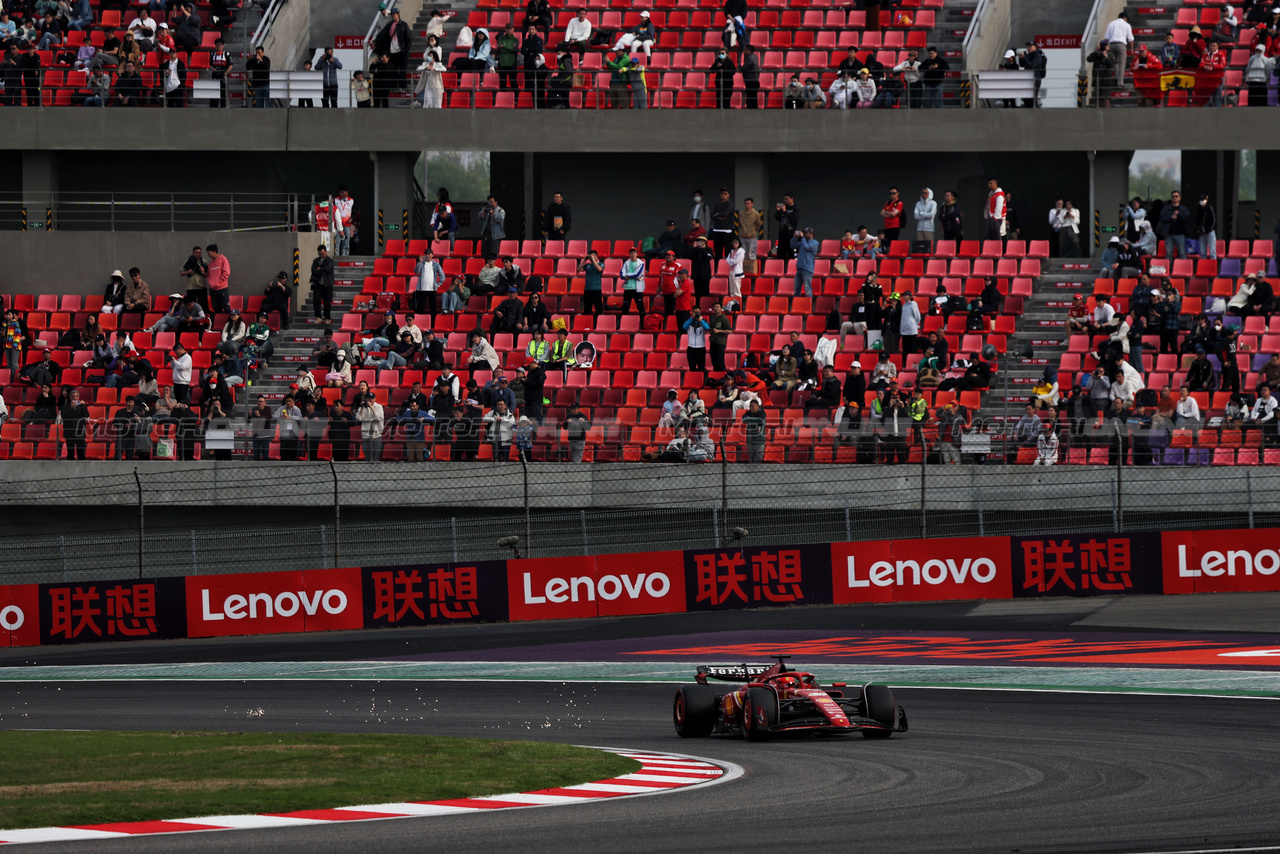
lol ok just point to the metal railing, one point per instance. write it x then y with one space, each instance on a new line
236 517
146 211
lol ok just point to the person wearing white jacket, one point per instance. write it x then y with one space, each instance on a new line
909 325
926 210
865 89
577 35
1257 73
843 92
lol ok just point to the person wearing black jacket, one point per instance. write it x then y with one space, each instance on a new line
536 315
723 220
703 260
11 74
788 221
1033 59
534 384
75 425
561 82
559 219
724 68
322 283
30 64
668 240
340 423
432 356
750 78
531 50
538 14
259 68
933 70
394 42
828 393
1206 228
276 298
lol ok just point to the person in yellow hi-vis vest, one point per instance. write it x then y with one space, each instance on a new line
561 353
639 94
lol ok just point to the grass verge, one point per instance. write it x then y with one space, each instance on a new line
72 778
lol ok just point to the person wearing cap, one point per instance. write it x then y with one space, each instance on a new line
1078 315
1009 63
668 240
113 296
1119 36
640 37
806 249
702 265
1033 59
276 298
909 68
396 41
1107 261
1102 82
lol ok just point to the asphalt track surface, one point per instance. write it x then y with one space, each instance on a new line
979 770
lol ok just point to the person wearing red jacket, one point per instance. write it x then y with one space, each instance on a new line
1215 62
667 283
891 213
684 298
995 210
1145 60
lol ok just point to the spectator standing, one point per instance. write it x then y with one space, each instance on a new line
722 222
749 224
322 284
1033 59
592 269
262 422
926 210
736 257
721 326
750 78
1119 38
806 252
559 219
75 425
329 66
933 71
891 215
259 68
508 44
724 69
371 418
1175 222
1068 228
788 219
344 208
995 211
361 90
289 419
703 262
951 217
909 325
395 40
1207 223
909 68
696 329
492 226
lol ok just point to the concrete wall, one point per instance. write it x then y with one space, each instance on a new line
65 262
617 132
1046 17
286 41
988 37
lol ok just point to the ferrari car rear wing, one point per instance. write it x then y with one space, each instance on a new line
731 672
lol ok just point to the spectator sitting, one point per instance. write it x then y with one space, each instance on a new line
339 375
827 396
381 337
1046 447
671 410
668 240
562 353
1104 319
1027 430
535 314
1187 411
483 357
185 315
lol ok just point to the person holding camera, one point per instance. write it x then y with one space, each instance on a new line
370 416
592 268
492 226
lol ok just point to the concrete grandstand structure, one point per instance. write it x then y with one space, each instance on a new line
625 172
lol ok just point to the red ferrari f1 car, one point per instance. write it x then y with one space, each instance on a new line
777 700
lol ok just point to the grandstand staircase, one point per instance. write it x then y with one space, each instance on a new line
293 347
1042 332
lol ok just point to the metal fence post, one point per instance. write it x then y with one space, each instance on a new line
141 520
977 499
1120 453
528 528
1248 488
337 517
924 526
724 489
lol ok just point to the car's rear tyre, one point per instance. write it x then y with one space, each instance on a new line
880 707
759 714
694 711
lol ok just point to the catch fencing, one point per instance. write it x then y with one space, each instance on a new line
196 519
